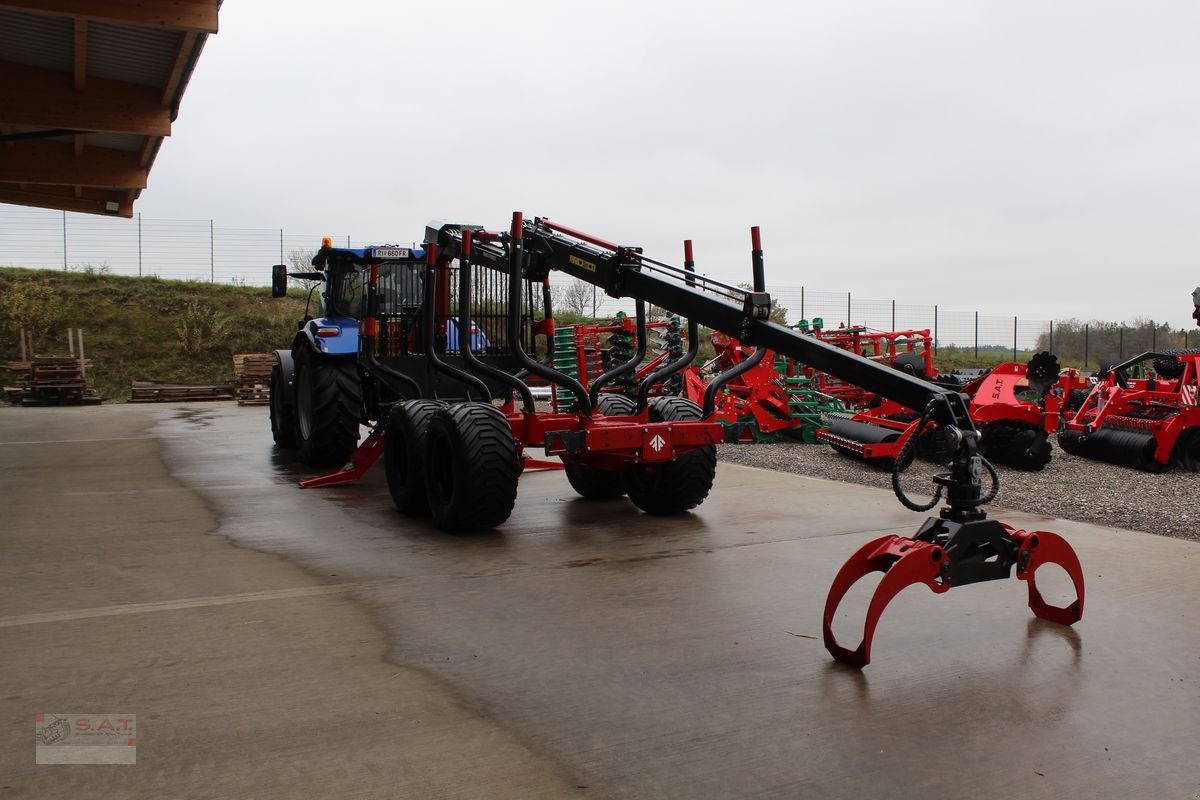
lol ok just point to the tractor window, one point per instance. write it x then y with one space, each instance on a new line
346 294
401 287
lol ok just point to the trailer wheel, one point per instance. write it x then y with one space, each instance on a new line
471 467
404 454
602 484
283 416
682 484
328 400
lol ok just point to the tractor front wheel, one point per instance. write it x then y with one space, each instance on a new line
679 485
283 416
602 484
404 453
471 467
328 404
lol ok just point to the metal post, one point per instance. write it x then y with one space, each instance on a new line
593 301
139 244
347 241
212 252
893 315
64 241
71 342
1153 336
82 363
976 335
802 303
935 332
1014 338
847 309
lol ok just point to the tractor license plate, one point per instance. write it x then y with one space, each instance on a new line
390 252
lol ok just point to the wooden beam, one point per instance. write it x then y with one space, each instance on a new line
92 202
55 163
46 98
186 46
183 15
147 153
81 31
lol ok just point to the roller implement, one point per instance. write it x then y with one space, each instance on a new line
1151 424
1015 407
458 453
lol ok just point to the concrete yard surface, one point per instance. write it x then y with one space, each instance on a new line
323 645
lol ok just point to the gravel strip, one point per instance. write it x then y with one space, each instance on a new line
1069 487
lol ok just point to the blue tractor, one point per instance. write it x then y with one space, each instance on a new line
323 388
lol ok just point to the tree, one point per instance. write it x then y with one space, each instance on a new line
30 306
575 298
779 312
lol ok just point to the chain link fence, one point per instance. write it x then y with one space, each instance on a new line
202 250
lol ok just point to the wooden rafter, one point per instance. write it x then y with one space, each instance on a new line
183 15
92 201
46 98
186 46
54 163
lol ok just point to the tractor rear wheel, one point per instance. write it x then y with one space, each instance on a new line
679 485
404 454
328 403
471 467
602 484
283 416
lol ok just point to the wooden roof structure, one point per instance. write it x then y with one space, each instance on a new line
88 91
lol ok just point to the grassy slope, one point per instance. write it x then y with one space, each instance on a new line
131 326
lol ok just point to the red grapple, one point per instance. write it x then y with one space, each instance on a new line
905 561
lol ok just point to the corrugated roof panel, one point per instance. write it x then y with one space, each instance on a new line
37 40
115 141
134 55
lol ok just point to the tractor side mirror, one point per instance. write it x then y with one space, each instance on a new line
279 280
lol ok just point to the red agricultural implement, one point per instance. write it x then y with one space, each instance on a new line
453 437
909 350
1150 423
761 403
584 351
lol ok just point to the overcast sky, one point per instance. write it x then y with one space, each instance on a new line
1037 158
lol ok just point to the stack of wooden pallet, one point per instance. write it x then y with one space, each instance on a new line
149 392
50 381
252 385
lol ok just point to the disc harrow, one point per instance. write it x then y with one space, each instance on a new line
1151 424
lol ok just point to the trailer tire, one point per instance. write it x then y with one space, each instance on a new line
283 416
682 484
404 454
602 484
471 467
328 403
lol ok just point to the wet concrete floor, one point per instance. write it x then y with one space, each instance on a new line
648 657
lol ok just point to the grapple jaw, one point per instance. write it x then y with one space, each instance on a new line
944 554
